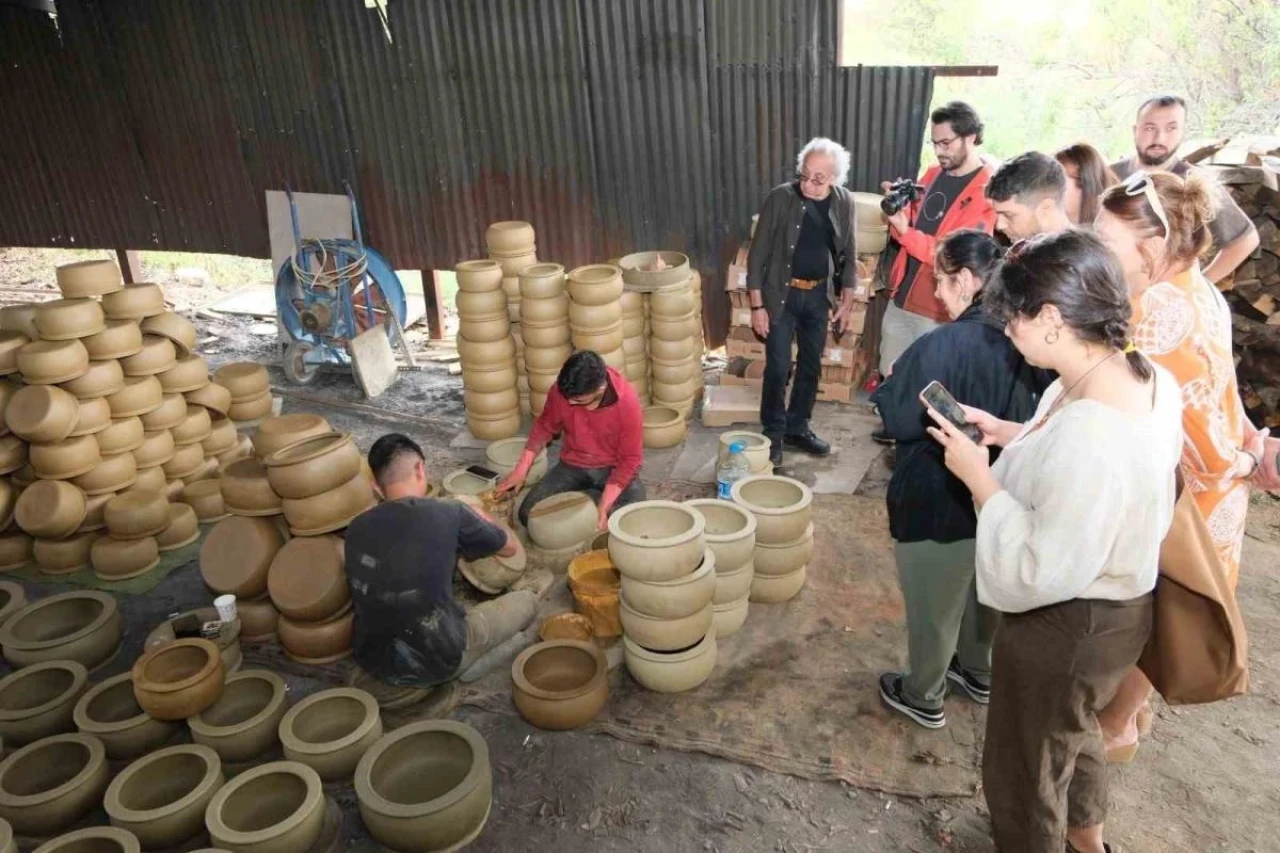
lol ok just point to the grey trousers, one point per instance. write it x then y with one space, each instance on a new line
944 618
492 623
567 478
899 330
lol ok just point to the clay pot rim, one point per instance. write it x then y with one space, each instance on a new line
97 755
523 684
623 604
806 495
706 567
279 693
109 609
477 265
126 840
160 329
678 656
748 529
545 269
213 661
369 797
615 525
307 449
212 776
372 716
675 417
594 274
88 725
807 536
238 839
79 678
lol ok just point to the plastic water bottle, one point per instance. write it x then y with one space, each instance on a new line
734 468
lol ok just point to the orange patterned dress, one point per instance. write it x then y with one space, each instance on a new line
1184 325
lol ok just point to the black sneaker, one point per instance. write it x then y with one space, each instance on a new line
809 443
775 451
882 437
891 695
976 690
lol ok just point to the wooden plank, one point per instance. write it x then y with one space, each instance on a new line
965 70
434 302
130 265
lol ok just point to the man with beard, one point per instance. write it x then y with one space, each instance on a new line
1157 134
1027 193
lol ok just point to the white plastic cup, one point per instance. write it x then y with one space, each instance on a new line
226 605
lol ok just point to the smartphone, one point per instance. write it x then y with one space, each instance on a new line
941 401
483 473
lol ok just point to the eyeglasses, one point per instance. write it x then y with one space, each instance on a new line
816 180
1141 184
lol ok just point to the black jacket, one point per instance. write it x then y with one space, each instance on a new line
979 365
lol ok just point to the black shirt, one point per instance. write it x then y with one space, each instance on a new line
400 561
938 198
812 257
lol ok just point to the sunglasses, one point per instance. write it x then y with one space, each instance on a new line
1140 184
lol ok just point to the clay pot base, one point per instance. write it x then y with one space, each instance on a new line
138 573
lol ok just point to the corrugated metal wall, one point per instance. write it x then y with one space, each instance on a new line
612 125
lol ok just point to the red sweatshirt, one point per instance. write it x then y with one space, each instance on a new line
611 436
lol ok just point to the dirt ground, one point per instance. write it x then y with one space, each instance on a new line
1207 779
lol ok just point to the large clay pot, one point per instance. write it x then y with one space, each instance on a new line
509 238
729 617
494 427
663 634
756 449
123 435
730 532
65 459
194 427
782 506
214 397
486 353
589 318
542 281
245 380
546 359
634 326
331 510
136 514
308 578
222 437
562 521
227 639
237 554
481 404
258 619
111 475
771 590
170 413
121 559
252 409
489 380
493 574
479 276
672 351
479 304
638 269
331 730
552 335
183 529
37 701
247 491
46 787
595 284
50 509
274 808
99 839
676 373
784 558
110 712
120 339
42 413
63 556
140 395
674 328
462 482
157 449
317 642
313 465
426 786
178 680
156 356
134 302
88 278
7 391
731 586
542 381
15 550
616 359
92 417
552 310
187 460
204 497
656 540
512 265
63 319
276 433
636 349
671 672
598 340
20 318
51 362
675 300
244 722
485 330
82 626
673 599
503 456
663 427
8 501
561 684
175 327
161 798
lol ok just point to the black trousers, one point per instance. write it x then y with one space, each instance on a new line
567 478
804 318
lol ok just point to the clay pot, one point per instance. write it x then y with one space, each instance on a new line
65 459
170 413
672 351
782 506
136 514
479 304
110 712
50 509
634 326
561 684
178 680
63 556
486 353
247 491
616 359
49 785
42 413
756 450
489 380
482 404
779 588
20 319
237 554
36 702
671 373
562 521
541 281
595 284
331 510
64 319
598 340
674 328
189 373
156 449
134 302
214 397
656 540
673 599
663 634
243 449
251 409
183 529
463 482
95 512
244 722
12 599
731 586
673 301
194 427
82 626
637 269
730 532
503 456
140 395
274 808
89 278
317 642
51 362
729 617
111 475
589 318
13 453
100 839
509 237
663 427
162 797
785 558
566 626
671 672
122 435
495 573
493 328
245 380
635 349
15 551
186 461
313 465
331 730
542 381
479 276
426 786
279 432
175 327
308 578
92 417
258 620
222 437
494 427
227 639
156 356
121 559
205 499
553 335
513 265
119 339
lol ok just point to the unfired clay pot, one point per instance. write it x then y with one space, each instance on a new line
50 509
656 540
251 409
245 380
222 437
541 281
65 459
121 559
484 303
673 599
731 586
730 532
674 328
489 380
136 514
782 506
729 617
595 284
183 529
258 620
756 449
151 480
479 276
186 461
331 730
112 474
485 353
247 491
509 237
156 356
237 554
110 712
274 808
92 417
512 266
20 318
493 574
63 319
227 639
503 456
99 839
562 521
88 278
157 449
494 427
276 433
95 512
37 701
82 626
15 550
51 362
46 787
547 359
663 634
123 435
673 351
550 335
42 413
194 427
313 465
638 269
784 558
426 786
663 427
134 302
10 343
63 556
561 684
331 510
317 642
244 722
161 798
119 339
553 309
175 327
771 590
308 579
674 395
214 397
169 414
178 680
676 300
495 327
599 340
671 672
140 394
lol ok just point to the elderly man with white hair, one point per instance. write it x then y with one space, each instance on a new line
801 263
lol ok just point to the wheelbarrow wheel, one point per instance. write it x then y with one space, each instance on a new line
296 368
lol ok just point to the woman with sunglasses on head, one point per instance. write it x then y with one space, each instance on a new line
1070 521
1088 177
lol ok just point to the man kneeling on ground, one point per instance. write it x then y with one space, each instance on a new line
400 559
602 422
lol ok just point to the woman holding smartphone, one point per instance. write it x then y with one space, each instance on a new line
931 515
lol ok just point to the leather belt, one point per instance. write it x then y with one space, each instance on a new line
805 283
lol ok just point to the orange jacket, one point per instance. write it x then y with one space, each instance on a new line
971 210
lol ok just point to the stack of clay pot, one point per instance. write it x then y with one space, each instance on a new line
487 350
250 389
513 245
544 328
635 342
331 731
756 449
731 535
675 328
668 586
783 510
307 582
595 312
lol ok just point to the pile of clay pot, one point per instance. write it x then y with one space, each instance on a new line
107 416
279 547
156 746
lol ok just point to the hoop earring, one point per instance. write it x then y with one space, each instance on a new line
1051 336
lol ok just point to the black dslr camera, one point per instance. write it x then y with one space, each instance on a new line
901 193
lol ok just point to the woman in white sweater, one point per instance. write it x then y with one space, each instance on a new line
1070 521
